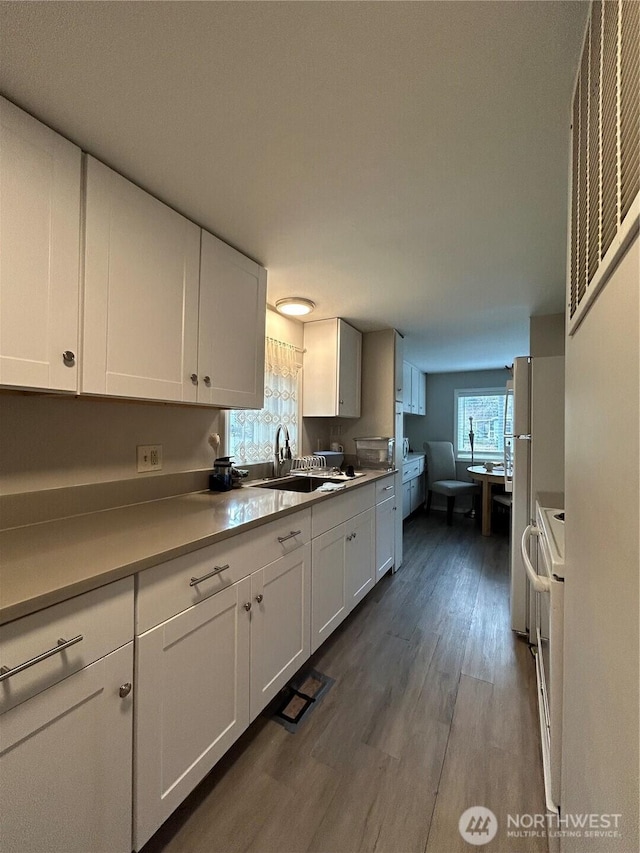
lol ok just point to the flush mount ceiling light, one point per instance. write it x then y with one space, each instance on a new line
295 306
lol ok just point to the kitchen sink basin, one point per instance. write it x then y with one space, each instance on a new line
298 484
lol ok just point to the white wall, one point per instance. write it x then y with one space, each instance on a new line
600 770
49 442
546 335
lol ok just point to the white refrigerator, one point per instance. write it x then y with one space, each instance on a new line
534 461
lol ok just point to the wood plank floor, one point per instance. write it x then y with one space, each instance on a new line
433 711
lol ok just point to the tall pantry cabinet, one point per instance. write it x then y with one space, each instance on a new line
40 175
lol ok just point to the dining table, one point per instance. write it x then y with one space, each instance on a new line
487 479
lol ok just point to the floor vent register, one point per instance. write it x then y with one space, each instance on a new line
300 697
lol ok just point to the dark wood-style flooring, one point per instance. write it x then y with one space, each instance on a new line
433 711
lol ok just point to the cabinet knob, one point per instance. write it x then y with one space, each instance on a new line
194 378
207 380
259 598
247 606
125 689
69 358
341 402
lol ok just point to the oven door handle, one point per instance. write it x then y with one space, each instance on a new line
538 582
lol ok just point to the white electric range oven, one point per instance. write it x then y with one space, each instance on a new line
547 587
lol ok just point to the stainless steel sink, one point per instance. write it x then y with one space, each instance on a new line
298 484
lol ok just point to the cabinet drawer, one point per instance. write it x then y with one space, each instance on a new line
102 619
168 589
410 470
385 488
339 508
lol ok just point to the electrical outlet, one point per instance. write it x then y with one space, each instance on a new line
149 457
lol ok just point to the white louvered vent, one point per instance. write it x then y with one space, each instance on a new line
605 182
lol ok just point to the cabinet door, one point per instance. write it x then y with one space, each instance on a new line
360 547
406 499
415 390
349 370
65 763
231 324
422 393
192 701
328 584
385 536
142 264
406 387
280 631
39 254
398 365
413 500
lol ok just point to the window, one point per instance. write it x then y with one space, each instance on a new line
251 434
486 407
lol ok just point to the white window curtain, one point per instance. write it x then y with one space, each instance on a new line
252 433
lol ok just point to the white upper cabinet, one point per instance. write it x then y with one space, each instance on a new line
39 254
332 369
406 388
141 293
398 366
414 388
232 313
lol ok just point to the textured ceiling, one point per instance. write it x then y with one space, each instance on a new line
400 163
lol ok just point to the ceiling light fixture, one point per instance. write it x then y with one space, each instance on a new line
295 306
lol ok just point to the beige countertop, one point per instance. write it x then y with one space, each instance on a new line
43 564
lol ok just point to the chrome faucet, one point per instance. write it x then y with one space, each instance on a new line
282 460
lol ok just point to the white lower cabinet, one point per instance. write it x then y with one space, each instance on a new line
192 701
360 545
417 492
329 604
203 674
406 499
66 725
385 538
412 486
65 763
280 614
343 572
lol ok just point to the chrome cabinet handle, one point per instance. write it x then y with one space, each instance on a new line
216 571
124 690
194 378
386 488
69 358
247 606
293 533
62 645
259 598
